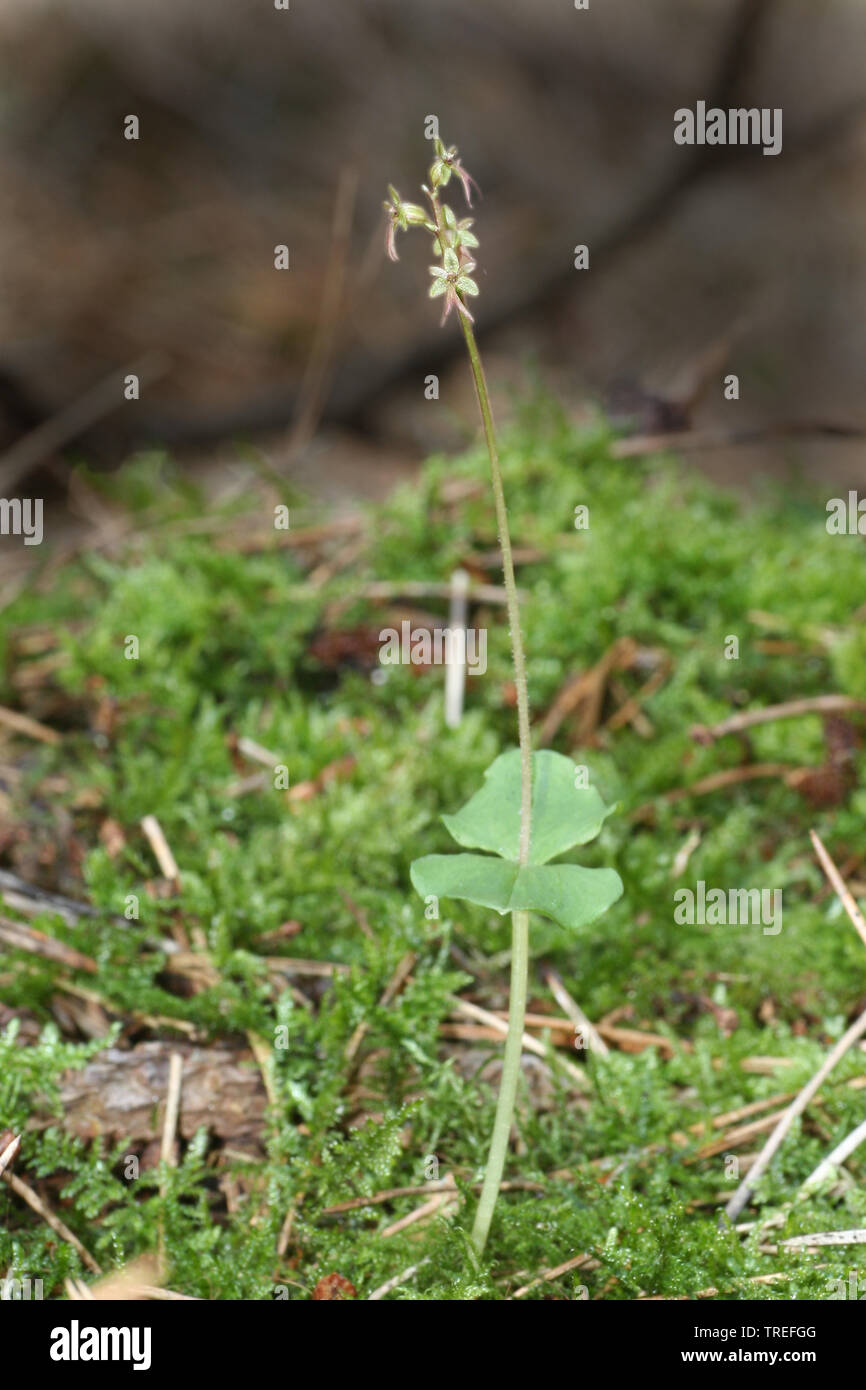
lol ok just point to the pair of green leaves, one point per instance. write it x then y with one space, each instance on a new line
563 815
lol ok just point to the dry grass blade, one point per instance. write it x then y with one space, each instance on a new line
827 1167
41 1207
594 1042
131 1282
840 887
853 1034
747 1186
578 1262
390 1284
852 1237
161 850
530 1044
436 1204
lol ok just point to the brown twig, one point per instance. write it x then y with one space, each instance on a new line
633 707
264 1061
791 709
23 938
718 781
586 689
359 915
421 1189
530 1044
856 1236
583 1261
712 1291
436 1204
31 728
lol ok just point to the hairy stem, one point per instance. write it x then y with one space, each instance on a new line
508 1084
512 606
519 920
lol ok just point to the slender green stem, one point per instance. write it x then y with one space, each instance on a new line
512 606
519 920
508 1084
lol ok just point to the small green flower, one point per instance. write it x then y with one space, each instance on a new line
453 239
404 216
453 280
444 165
454 233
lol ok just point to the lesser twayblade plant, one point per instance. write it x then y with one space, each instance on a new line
532 806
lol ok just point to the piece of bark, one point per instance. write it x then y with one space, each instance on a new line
121 1094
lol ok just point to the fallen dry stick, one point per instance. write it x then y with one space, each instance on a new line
378 1294
437 1204
747 1186
102 399
30 900
634 706
713 1292
435 1185
718 781
131 1281
23 938
594 1041
586 689
529 1044
732 1138
791 709
9 1153
23 724
827 1167
583 1261
852 1237
840 886
637 445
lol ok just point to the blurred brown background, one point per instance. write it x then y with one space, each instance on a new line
261 127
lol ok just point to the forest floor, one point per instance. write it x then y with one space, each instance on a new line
198 763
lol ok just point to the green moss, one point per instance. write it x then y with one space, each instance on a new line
224 639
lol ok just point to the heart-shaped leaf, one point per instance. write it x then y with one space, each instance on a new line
570 894
476 877
563 815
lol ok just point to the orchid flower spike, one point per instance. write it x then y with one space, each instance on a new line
453 240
